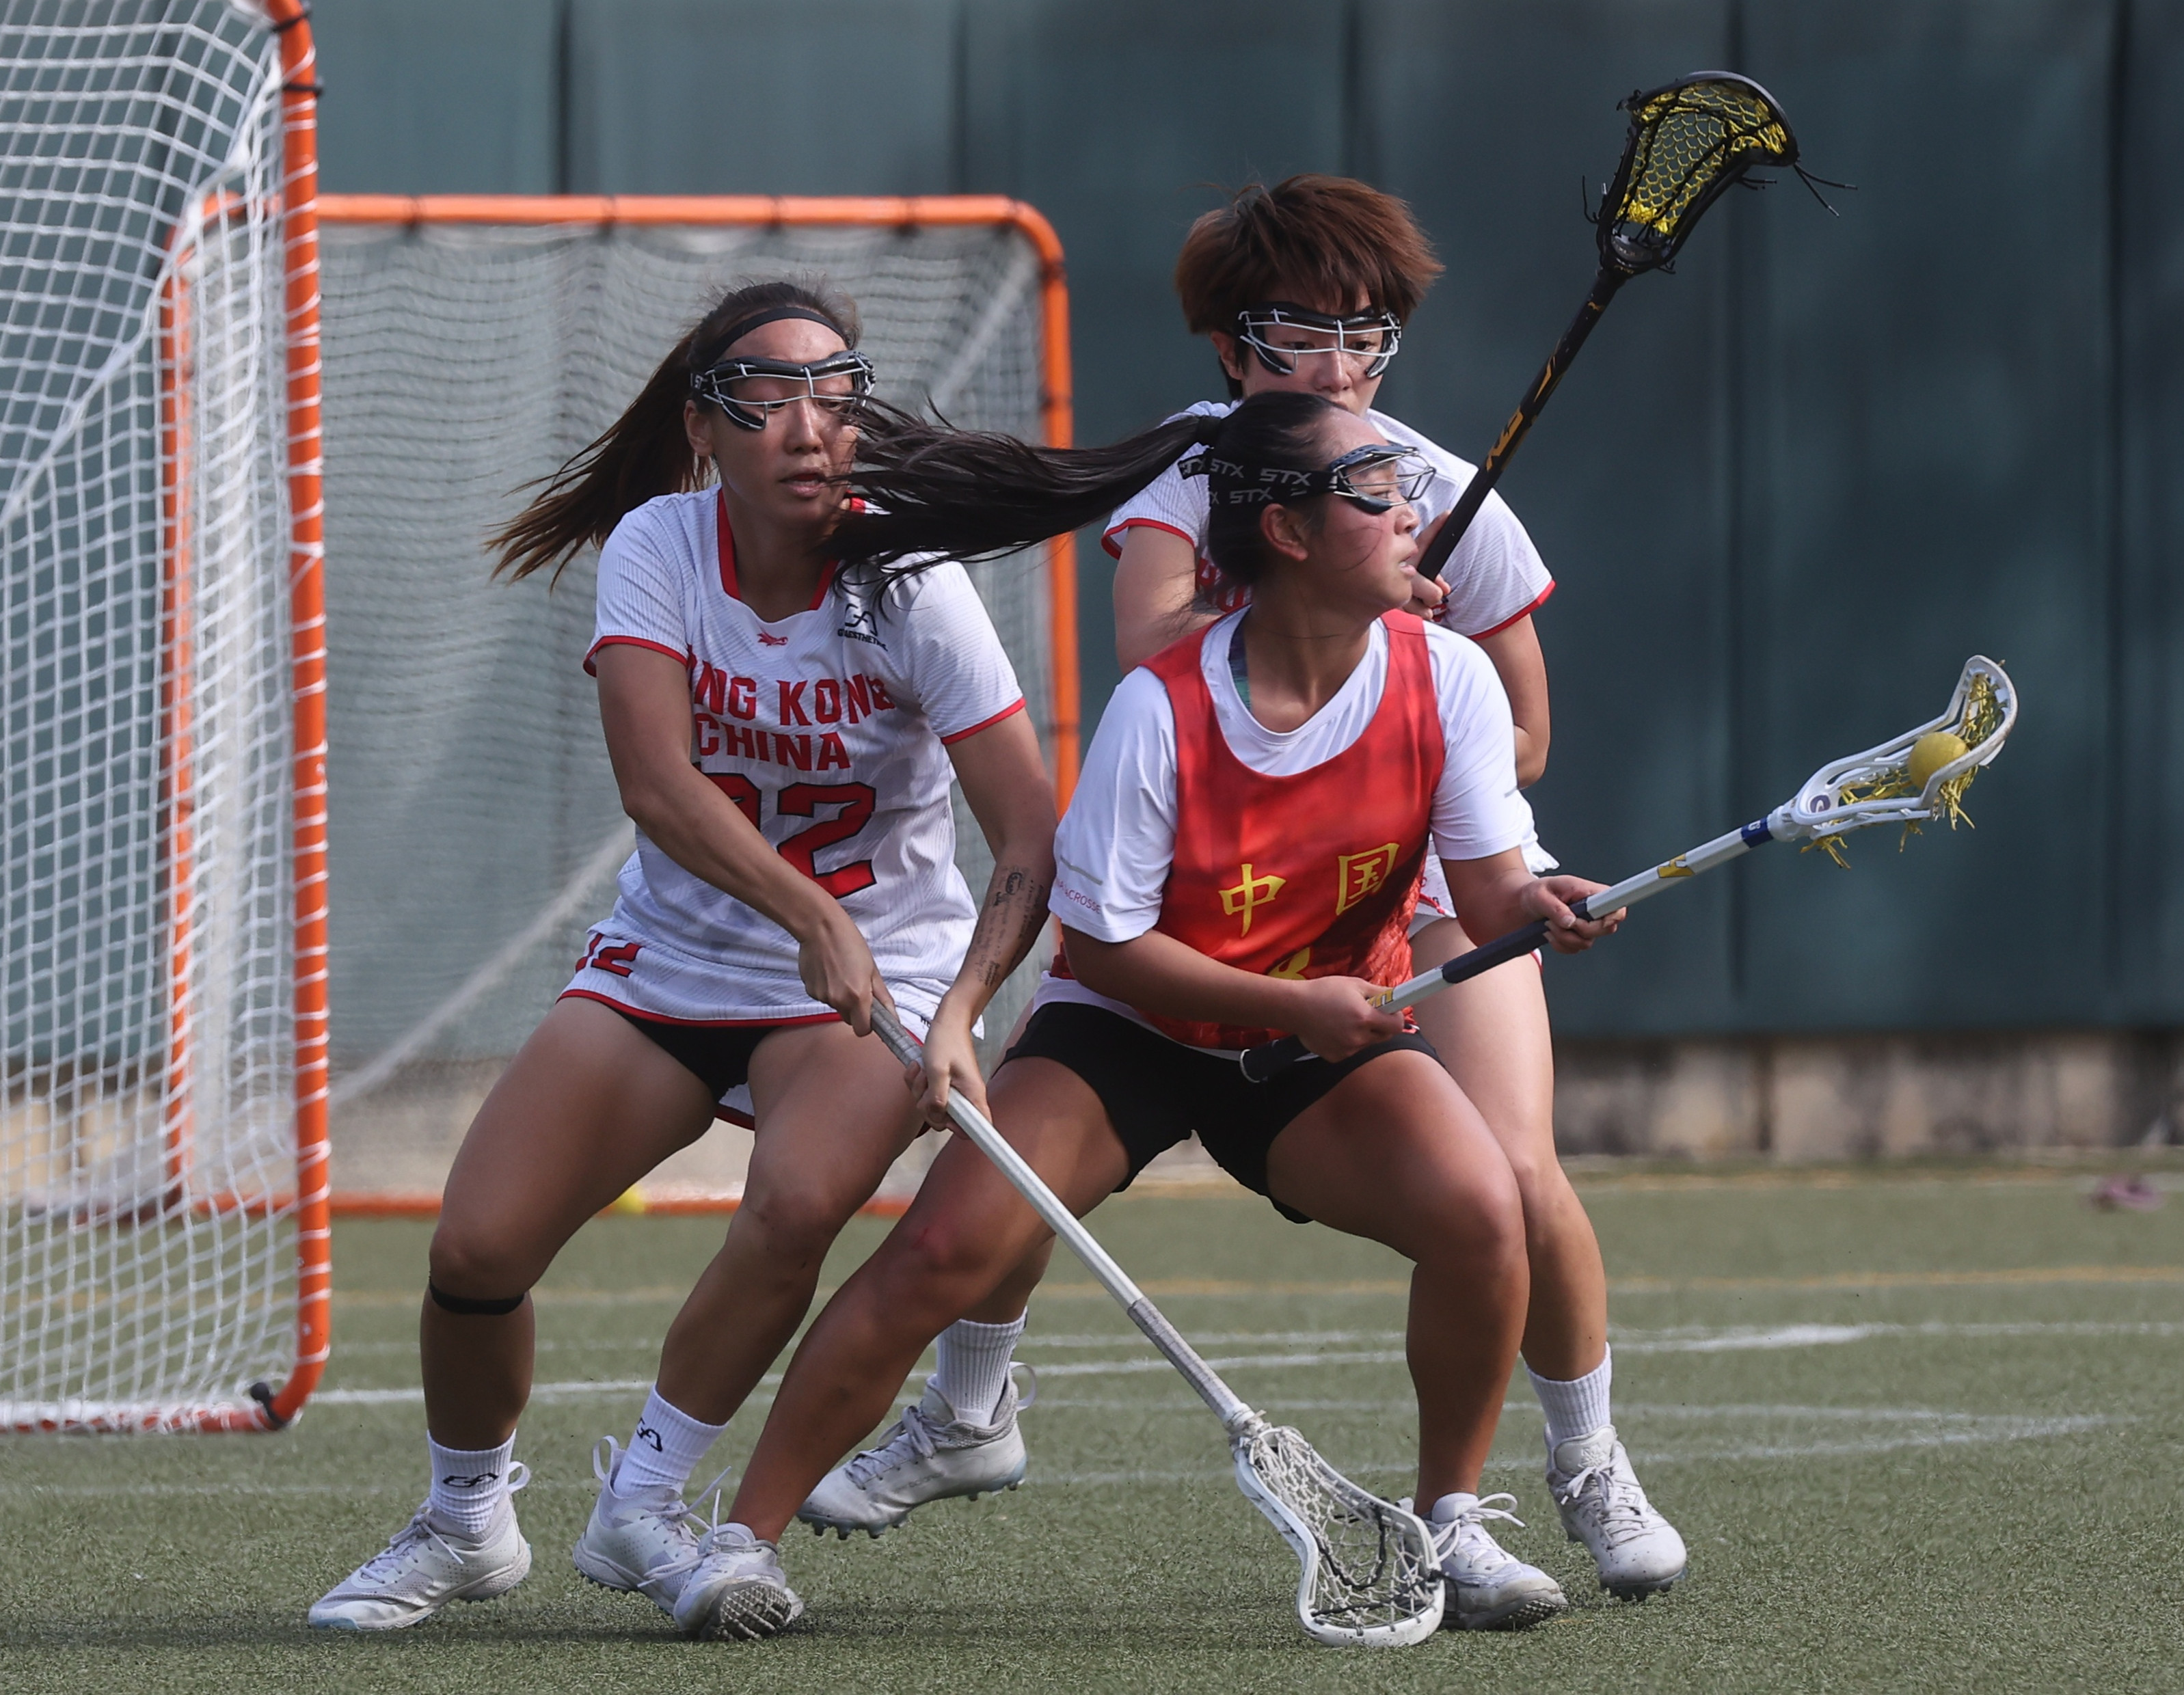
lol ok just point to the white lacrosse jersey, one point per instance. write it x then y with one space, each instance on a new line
1495 577
828 728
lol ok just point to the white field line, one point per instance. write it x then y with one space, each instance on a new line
1987 1430
1627 1342
1930 1430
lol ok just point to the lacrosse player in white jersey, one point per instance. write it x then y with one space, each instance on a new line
1306 286
784 730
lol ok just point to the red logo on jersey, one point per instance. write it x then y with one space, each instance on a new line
772 640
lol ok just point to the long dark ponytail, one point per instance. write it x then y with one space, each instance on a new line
645 451
972 494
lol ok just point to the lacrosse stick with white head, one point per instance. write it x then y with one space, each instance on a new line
1370 1577
1909 780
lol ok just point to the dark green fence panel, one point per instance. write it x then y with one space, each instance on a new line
1785 493
1117 120
1929 426
751 96
2147 906
1487 117
438 97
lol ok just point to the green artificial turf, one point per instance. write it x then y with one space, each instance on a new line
1921 1432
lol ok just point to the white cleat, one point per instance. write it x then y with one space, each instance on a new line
1637 1552
737 1591
424 1567
1487 1589
928 1454
646 1541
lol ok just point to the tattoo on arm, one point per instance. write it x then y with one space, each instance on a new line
1008 927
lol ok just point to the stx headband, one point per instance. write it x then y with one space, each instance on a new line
1372 336
1376 478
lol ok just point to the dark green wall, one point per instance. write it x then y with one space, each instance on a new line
1785 492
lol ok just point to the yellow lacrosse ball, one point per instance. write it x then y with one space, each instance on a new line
1932 751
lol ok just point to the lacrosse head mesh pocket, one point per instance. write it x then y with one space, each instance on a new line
1688 141
1370 1577
1914 777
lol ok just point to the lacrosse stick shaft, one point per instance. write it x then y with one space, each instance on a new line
1271 1059
1148 1317
1604 284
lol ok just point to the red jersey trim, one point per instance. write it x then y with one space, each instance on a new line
1115 549
984 724
685 660
725 544
697 1023
1540 601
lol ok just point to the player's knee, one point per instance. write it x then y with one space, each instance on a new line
1478 1218
470 1263
796 1224
949 1255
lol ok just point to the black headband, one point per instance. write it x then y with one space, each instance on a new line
773 314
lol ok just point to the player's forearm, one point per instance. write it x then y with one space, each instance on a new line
1490 893
1010 920
1158 974
699 828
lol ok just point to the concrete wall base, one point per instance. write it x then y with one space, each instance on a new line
1828 1098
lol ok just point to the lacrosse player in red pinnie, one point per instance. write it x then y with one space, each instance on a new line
1240 858
1305 287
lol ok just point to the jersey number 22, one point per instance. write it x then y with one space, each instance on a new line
804 800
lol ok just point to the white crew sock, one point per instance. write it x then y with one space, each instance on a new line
665 1448
1577 1407
468 1486
973 1367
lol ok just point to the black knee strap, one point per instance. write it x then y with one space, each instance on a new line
468 1308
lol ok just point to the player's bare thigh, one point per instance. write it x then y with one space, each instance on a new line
587 1107
1394 1152
833 1113
969 1223
1493 1038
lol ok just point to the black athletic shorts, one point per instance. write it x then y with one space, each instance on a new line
717 1055
1157 1092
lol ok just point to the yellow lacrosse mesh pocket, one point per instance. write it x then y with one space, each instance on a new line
1977 719
1688 142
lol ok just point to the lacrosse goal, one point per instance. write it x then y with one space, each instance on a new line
163 1152
472 345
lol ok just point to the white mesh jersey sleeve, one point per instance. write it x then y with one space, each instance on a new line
1496 576
1171 501
646 571
1115 842
949 660
1477 809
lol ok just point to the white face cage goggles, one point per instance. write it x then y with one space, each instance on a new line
1370 336
1376 479
750 391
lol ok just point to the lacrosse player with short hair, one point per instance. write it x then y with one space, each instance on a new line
1241 857
1305 287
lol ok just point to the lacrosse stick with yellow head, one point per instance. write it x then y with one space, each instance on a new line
1690 142
1912 779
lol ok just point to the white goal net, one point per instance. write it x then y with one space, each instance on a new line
470 347
148 1127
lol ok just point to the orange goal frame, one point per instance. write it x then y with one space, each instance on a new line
289 20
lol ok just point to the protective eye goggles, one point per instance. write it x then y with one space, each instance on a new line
750 391
1371 337
1375 479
